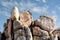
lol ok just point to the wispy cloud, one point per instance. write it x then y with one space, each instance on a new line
36 9
6 4
5 13
27 5
44 1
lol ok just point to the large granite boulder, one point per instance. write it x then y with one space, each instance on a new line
45 22
25 18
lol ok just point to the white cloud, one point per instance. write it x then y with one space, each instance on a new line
44 1
43 9
6 4
9 4
36 9
31 4
26 5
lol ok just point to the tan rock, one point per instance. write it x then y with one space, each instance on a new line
36 38
25 18
40 33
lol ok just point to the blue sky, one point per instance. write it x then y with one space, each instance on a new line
36 7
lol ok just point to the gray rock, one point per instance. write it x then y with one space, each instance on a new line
23 34
46 22
39 33
0 35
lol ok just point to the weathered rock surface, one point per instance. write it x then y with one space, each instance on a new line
23 34
26 18
45 22
40 34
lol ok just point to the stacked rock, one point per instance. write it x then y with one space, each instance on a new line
21 25
42 27
39 34
23 31
26 29
46 22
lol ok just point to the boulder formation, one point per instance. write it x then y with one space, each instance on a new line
24 28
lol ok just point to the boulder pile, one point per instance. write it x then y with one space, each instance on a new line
21 27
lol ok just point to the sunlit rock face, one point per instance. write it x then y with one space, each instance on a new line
15 13
45 22
25 18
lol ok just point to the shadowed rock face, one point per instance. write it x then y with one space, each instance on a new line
3 37
0 35
23 34
39 33
56 33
